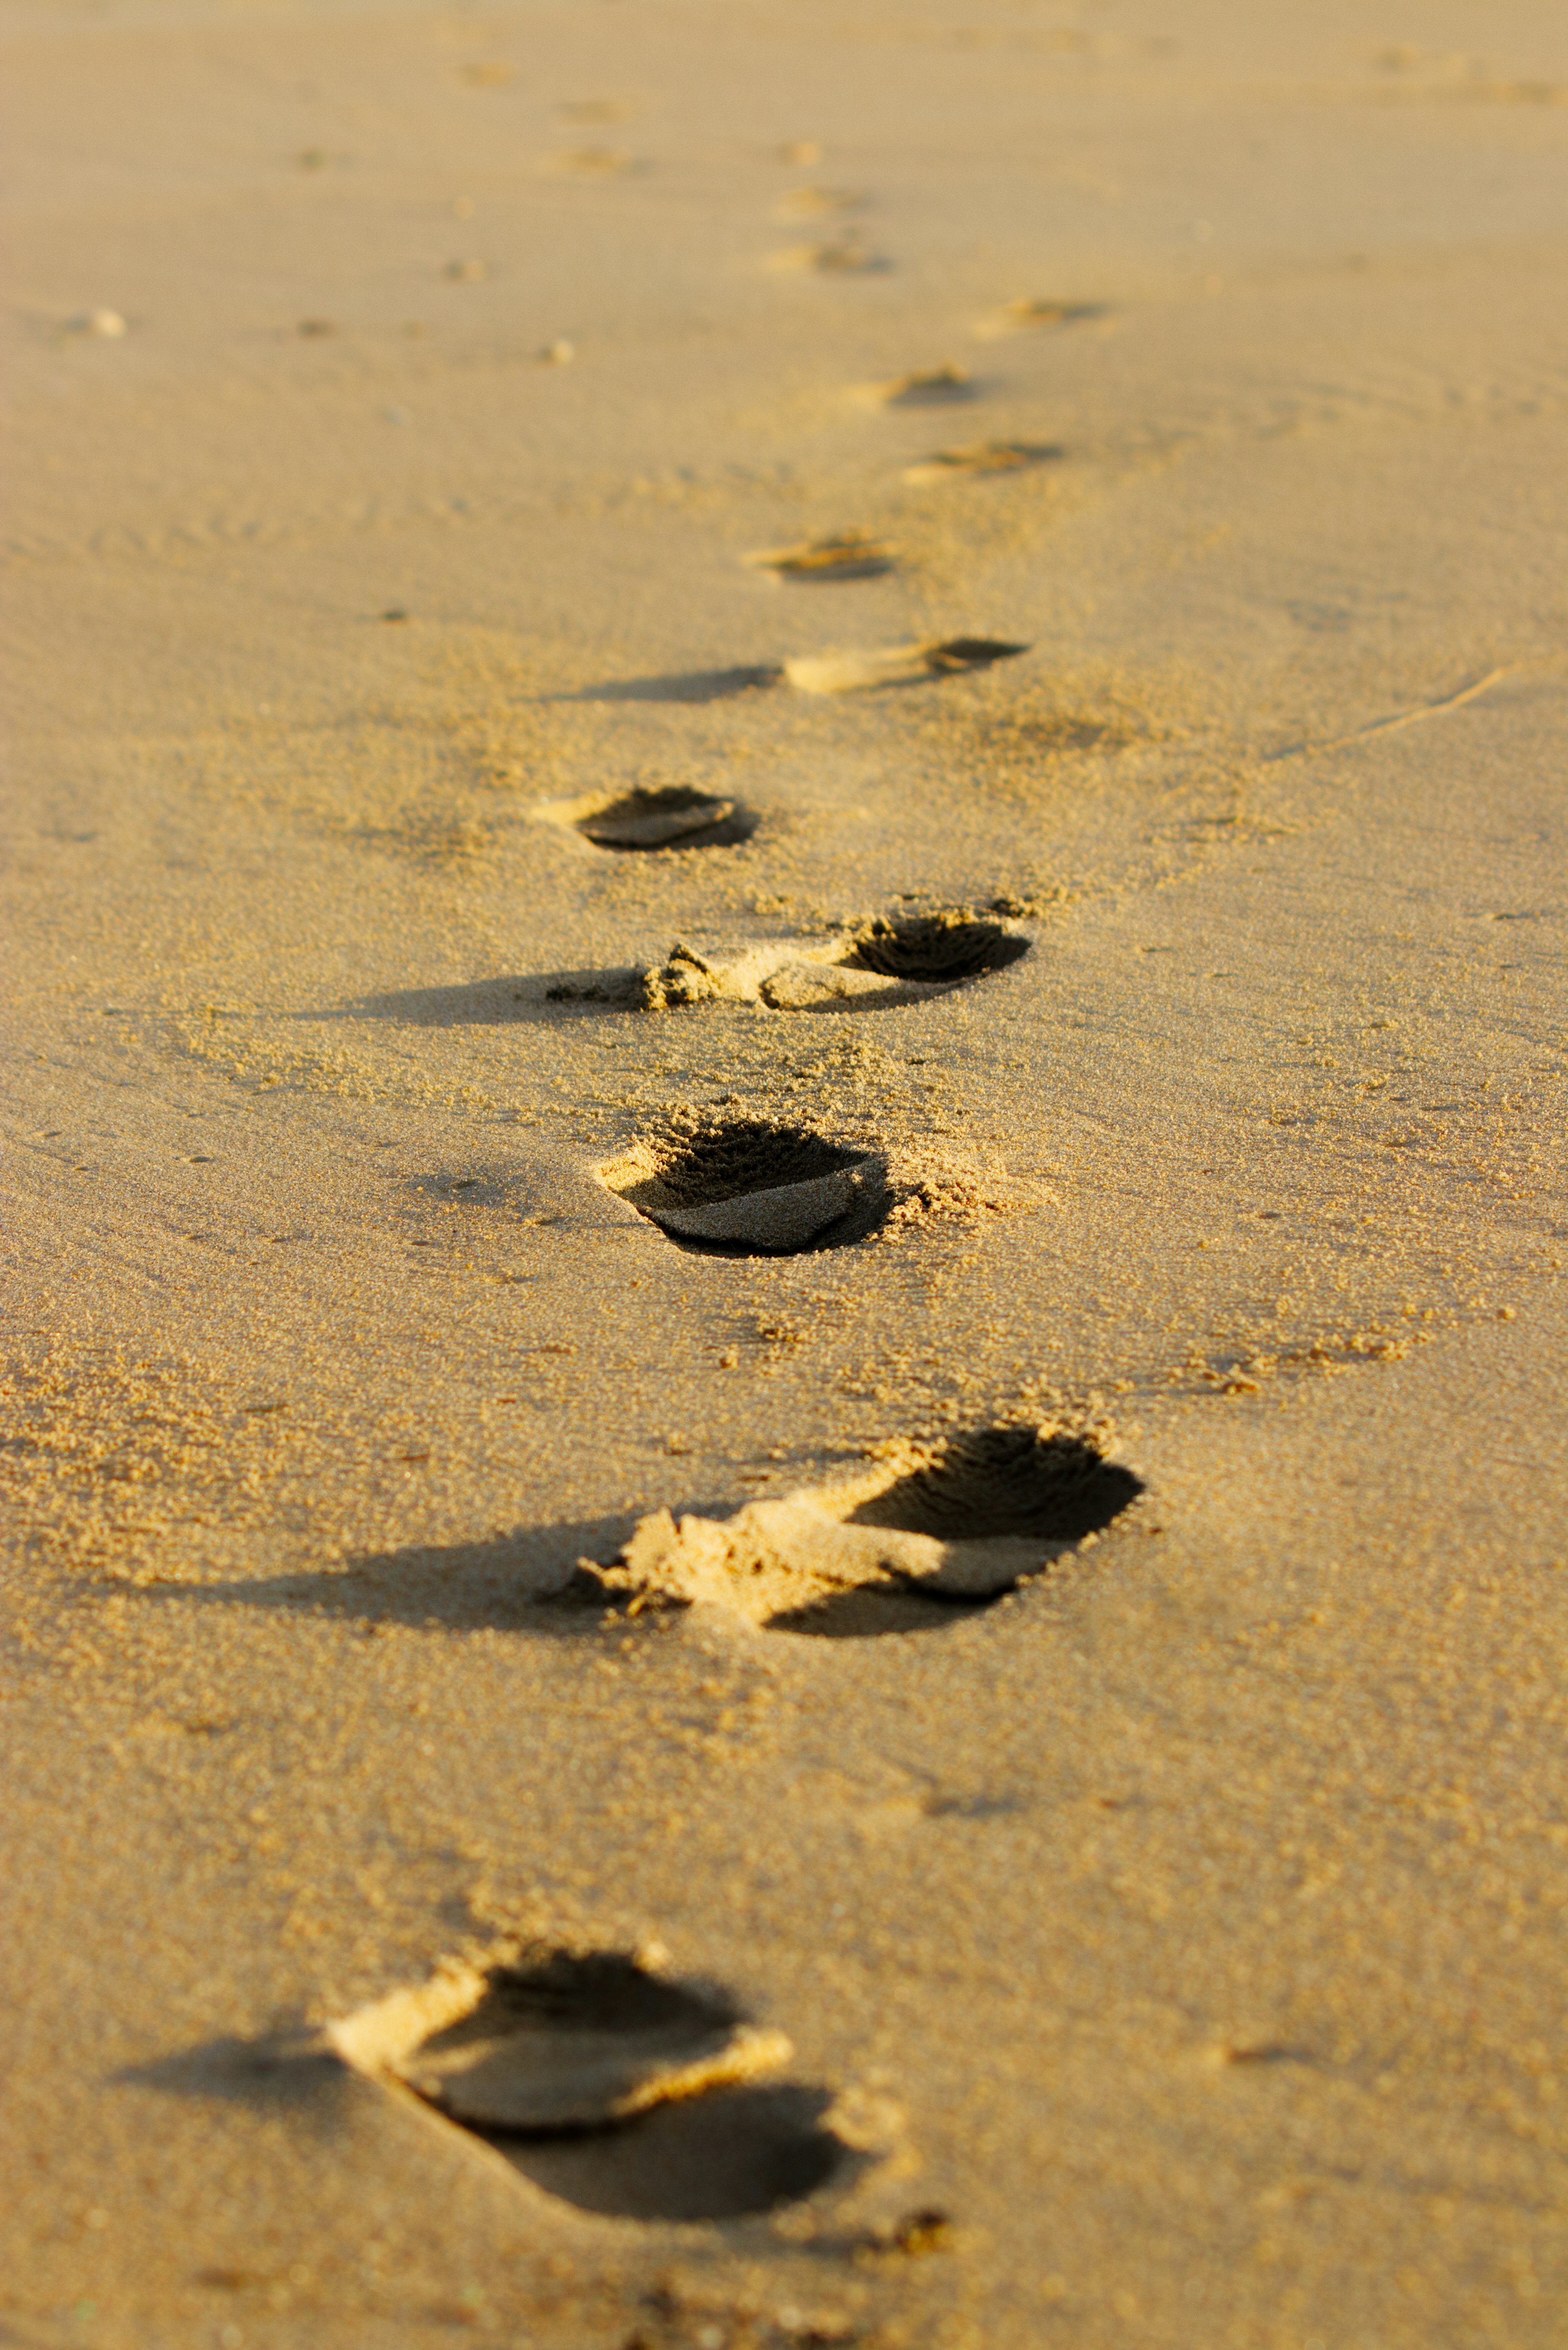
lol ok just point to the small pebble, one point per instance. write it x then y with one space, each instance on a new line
560 354
467 273
107 323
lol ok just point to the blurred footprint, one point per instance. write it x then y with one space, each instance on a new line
848 554
854 672
982 457
813 204
924 388
1024 316
593 162
843 256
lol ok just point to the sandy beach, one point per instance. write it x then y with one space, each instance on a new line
784 1442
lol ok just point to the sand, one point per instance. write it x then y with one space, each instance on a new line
1158 1939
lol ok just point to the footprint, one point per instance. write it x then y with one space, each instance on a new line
565 2042
850 554
595 109
852 672
964 1520
926 387
815 204
749 1189
653 816
607 2083
1025 316
839 255
944 949
982 457
883 963
593 162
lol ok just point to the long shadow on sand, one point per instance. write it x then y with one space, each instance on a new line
689 685
509 999
509 1583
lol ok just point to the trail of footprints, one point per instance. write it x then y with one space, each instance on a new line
599 2077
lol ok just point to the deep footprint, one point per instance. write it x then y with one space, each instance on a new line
961 1521
744 1187
886 963
669 816
938 949
609 2085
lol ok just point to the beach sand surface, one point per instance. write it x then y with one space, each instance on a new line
1167 1953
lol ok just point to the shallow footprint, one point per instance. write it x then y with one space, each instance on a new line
855 671
813 204
750 1189
964 1520
1027 316
839 255
848 554
982 457
923 388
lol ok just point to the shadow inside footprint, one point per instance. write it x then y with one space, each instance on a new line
667 816
716 2157
936 947
877 1613
1005 1481
741 1186
609 2084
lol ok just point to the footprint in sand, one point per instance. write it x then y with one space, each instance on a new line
937 387
741 1187
818 203
843 255
652 818
959 1521
592 162
883 963
854 672
606 2082
588 111
848 554
982 457
1028 317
